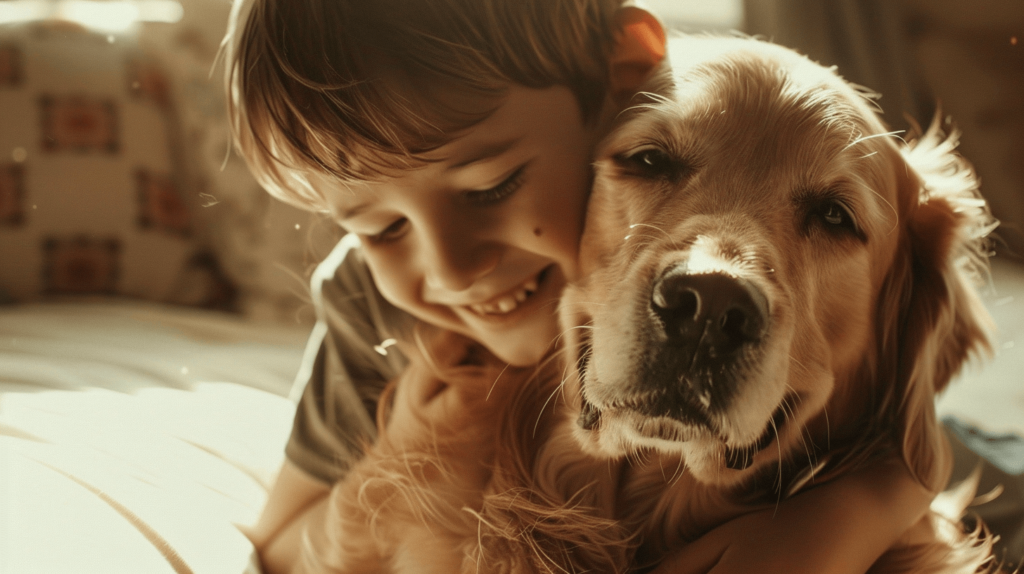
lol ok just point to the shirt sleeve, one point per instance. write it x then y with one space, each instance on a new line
347 364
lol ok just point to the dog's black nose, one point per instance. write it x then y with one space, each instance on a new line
711 314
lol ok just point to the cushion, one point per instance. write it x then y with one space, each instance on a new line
95 195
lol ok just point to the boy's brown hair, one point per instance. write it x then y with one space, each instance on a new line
352 88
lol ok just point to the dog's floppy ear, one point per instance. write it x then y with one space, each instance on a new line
932 315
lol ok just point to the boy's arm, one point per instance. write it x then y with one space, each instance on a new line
333 417
294 498
840 527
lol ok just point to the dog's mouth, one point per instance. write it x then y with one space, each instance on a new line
736 458
590 416
666 428
741 458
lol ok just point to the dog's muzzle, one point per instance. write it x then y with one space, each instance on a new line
707 330
712 314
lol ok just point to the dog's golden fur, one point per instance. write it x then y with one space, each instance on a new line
855 255
460 481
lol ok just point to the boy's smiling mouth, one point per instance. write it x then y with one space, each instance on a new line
510 300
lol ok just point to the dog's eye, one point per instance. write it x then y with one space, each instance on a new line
836 217
653 163
835 214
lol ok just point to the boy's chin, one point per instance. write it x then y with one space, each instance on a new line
518 353
520 347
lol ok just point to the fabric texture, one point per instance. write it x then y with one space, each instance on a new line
94 197
1000 460
266 248
349 359
135 436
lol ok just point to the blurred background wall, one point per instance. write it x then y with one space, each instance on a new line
966 57
116 177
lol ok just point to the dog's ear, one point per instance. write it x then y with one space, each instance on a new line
934 319
639 47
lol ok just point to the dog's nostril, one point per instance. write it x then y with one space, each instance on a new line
682 302
709 308
705 328
733 323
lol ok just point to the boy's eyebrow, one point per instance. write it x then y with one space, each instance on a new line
486 151
353 211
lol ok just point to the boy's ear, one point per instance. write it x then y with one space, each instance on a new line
639 48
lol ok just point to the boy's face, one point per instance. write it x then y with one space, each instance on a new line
482 240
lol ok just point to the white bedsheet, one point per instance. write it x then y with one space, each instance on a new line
989 393
134 436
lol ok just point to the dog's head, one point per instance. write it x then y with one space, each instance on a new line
767 270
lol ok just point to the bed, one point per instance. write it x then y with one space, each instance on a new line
135 436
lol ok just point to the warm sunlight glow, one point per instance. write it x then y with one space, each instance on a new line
157 478
103 16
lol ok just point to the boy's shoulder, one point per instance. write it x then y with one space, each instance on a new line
347 300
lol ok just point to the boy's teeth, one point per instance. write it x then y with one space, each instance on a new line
508 303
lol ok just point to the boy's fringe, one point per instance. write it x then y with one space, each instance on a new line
350 90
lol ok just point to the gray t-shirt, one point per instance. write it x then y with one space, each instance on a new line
346 365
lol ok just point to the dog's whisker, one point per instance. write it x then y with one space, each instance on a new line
680 469
656 228
812 453
778 445
809 449
661 467
862 139
828 429
543 408
807 370
495 383
892 208
636 248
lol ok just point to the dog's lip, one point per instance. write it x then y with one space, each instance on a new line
589 417
741 458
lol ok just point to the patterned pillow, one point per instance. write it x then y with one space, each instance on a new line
95 195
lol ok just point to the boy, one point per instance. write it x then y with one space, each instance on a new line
453 140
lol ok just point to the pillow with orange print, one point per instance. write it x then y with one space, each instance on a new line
95 195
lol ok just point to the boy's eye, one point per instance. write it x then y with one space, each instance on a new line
499 192
390 233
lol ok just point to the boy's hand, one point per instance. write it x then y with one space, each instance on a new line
840 527
443 385
758 542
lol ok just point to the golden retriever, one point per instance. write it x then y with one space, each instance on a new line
774 290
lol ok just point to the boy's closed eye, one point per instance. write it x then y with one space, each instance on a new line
478 197
499 192
390 233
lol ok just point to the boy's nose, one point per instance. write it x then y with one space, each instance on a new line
455 263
